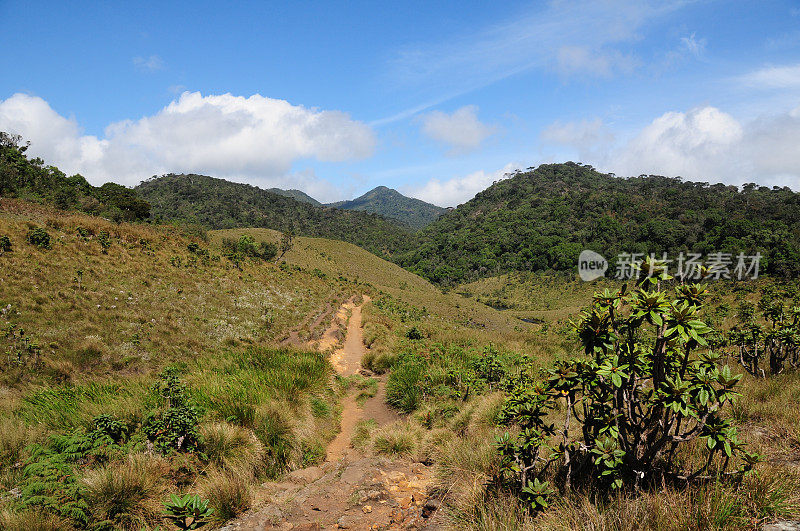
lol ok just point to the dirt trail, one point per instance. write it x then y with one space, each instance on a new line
351 490
347 362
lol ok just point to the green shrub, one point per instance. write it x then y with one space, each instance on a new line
38 237
84 233
50 480
637 398
5 244
172 426
771 348
104 238
414 333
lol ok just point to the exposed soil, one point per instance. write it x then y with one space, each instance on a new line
351 490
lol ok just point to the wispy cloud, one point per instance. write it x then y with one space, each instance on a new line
148 64
694 46
584 37
773 77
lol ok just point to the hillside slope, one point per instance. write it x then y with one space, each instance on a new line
335 258
543 219
390 203
219 204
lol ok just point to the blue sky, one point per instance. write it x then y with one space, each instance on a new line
436 99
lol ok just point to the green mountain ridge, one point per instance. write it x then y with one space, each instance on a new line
542 219
220 204
390 203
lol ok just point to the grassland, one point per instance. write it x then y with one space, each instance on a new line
108 319
92 321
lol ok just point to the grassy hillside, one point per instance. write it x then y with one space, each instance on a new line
219 204
111 306
92 314
542 219
377 276
390 203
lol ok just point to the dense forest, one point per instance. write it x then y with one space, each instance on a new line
392 204
220 204
29 178
541 219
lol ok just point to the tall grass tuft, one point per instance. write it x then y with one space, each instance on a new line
228 493
32 520
399 440
126 494
233 448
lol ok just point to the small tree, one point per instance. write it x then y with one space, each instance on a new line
647 386
287 240
777 342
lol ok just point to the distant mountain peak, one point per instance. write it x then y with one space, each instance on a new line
299 195
390 203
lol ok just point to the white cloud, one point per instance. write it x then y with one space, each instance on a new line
587 137
585 60
694 144
256 139
453 192
148 64
702 144
693 45
461 130
775 77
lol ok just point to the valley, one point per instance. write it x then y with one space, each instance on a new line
295 381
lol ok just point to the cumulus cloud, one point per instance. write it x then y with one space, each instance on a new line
148 64
461 130
704 144
453 192
254 138
692 144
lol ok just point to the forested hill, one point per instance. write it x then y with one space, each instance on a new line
220 204
390 203
295 194
542 219
29 178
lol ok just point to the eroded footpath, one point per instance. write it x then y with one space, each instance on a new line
352 489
